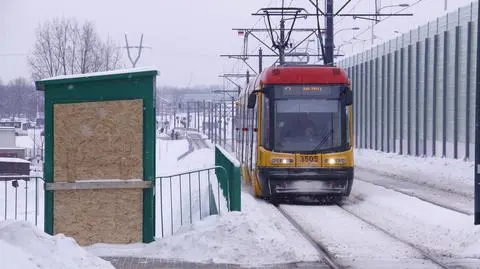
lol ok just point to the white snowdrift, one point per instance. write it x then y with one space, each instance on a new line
23 246
258 235
443 173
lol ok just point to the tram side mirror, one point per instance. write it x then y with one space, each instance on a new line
252 99
348 97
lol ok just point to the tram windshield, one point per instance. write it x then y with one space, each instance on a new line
313 124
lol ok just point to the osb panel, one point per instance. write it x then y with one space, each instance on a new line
98 140
93 216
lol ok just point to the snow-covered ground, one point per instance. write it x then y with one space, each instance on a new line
435 229
24 246
353 243
184 199
259 235
441 173
375 227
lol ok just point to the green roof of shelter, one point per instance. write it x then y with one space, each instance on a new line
97 76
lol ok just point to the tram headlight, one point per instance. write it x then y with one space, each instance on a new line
282 161
335 161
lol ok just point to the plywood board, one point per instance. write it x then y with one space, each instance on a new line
93 216
98 140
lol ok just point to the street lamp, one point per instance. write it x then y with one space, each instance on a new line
344 29
378 11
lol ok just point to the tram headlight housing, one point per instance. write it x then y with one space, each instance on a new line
335 161
282 161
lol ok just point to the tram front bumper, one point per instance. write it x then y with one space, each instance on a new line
305 181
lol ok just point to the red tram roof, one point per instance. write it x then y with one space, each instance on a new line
309 74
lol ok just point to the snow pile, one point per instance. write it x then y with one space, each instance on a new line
259 235
24 246
443 173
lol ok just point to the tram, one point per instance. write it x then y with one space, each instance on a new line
294 132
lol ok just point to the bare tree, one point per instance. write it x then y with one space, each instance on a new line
64 47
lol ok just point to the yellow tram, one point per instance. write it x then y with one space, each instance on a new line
294 132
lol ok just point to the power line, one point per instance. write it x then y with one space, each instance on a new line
387 17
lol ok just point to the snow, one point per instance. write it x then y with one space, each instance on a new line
435 229
355 243
184 199
105 73
442 173
23 246
259 235
12 160
167 153
230 156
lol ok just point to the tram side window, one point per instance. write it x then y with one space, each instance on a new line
266 122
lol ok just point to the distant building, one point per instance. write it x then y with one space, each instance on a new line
8 146
14 166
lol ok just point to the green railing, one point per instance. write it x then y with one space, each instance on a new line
186 197
229 181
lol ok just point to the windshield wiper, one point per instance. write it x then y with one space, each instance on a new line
324 139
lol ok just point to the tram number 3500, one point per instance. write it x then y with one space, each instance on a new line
309 159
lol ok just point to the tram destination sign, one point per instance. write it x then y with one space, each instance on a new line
323 91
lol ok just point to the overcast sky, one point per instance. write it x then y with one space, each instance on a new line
186 36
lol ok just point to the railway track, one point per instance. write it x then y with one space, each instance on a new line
321 249
425 254
329 256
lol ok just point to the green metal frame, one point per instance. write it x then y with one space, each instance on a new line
124 86
229 182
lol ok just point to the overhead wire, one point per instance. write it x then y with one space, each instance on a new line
387 17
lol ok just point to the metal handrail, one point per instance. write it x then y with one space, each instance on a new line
14 179
189 174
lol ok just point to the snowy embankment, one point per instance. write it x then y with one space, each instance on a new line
438 230
434 229
441 173
23 246
259 235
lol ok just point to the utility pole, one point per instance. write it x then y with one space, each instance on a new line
375 21
232 117
281 48
210 135
214 119
203 118
140 47
225 122
260 59
198 116
477 132
188 116
329 45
